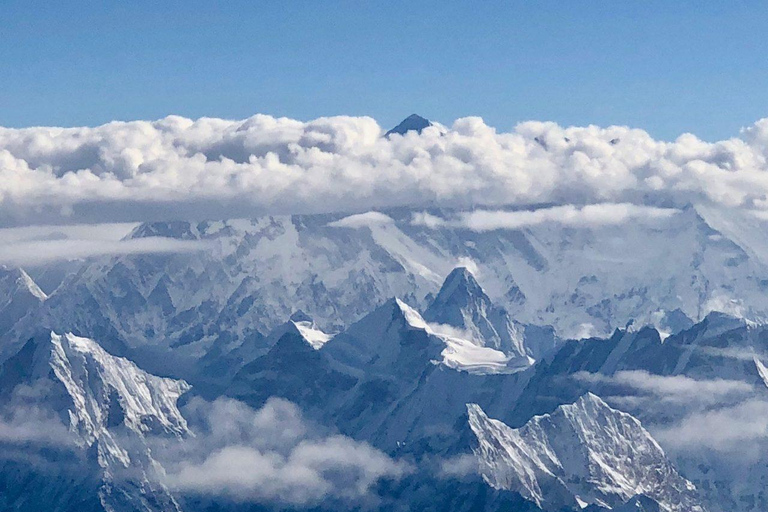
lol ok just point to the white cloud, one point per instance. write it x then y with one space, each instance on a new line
25 424
270 455
677 389
37 245
727 429
459 466
590 215
362 220
208 167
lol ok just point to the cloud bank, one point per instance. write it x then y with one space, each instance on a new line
568 215
671 390
38 245
270 455
207 167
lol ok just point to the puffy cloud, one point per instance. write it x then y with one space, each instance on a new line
212 167
270 455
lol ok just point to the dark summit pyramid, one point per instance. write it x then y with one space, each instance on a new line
411 123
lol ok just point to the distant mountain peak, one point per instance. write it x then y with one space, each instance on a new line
460 282
413 122
462 303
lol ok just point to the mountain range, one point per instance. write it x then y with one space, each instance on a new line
527 365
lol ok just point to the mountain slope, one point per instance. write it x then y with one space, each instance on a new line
250 276
19 295
585 453
103 408
462 303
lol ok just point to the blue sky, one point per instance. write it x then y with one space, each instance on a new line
667 67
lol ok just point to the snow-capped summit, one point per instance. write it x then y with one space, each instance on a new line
582 454
463 304
19 295
108 407
413 122
393 340
99 387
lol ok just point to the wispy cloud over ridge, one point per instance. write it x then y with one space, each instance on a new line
569 215
266 164
37 245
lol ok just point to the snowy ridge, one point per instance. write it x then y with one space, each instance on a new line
584 453
142 397
24 282
109 406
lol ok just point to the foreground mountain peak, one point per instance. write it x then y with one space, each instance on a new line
614 457
413 122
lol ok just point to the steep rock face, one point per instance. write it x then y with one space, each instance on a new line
103 408
584 453
393 340
217 369
18 296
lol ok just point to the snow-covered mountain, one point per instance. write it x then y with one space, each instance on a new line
582 454
462 304
251 276
352 318
96 407
19 295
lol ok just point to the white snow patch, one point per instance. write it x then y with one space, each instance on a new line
312 334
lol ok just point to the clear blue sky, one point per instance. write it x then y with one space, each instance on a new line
668 67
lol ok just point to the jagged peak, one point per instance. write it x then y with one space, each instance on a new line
76 361
592 399
291 340
475 411
539 458
181 230
393 310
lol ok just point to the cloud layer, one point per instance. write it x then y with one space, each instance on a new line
568 215
179 167
38 245
270 455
